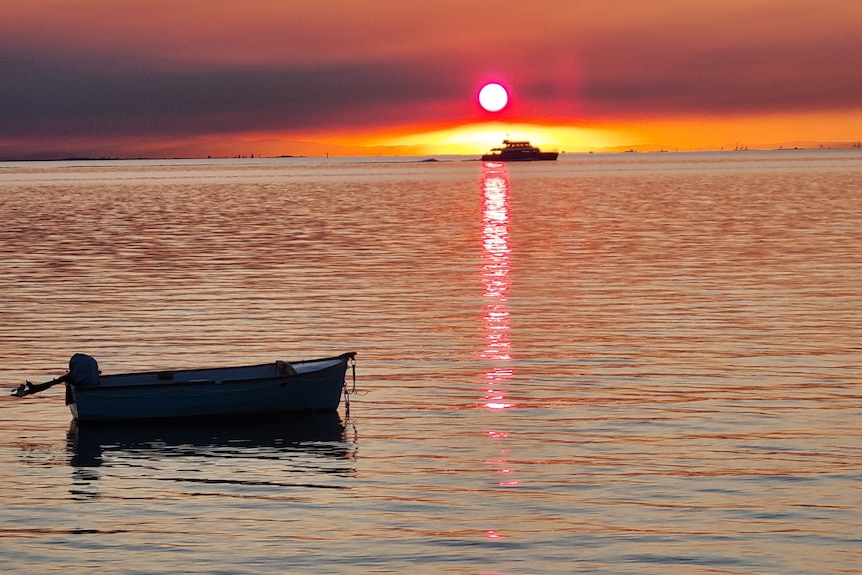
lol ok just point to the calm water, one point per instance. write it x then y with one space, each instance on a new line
633 363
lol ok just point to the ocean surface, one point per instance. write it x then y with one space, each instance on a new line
612 363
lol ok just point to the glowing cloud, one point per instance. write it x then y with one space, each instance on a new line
296 79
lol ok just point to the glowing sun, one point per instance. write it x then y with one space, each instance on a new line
493 97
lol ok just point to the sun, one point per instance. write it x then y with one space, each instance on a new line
493 97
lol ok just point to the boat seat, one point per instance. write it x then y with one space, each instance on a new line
284 369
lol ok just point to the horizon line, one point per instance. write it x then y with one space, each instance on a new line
375 151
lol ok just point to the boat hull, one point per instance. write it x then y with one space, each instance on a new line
520 157
242 391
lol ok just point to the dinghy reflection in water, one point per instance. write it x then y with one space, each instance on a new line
277 453
317 436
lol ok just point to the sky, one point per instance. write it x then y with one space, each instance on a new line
197 78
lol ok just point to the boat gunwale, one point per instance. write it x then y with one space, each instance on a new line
204 382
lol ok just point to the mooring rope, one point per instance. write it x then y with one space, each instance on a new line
352 390
348 393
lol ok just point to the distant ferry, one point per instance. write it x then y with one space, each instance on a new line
513 151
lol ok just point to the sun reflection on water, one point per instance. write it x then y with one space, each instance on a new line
495 316
495 281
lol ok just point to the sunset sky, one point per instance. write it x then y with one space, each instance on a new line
192 78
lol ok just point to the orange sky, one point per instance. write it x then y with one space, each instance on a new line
269 77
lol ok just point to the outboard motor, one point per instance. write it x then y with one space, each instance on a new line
83 371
